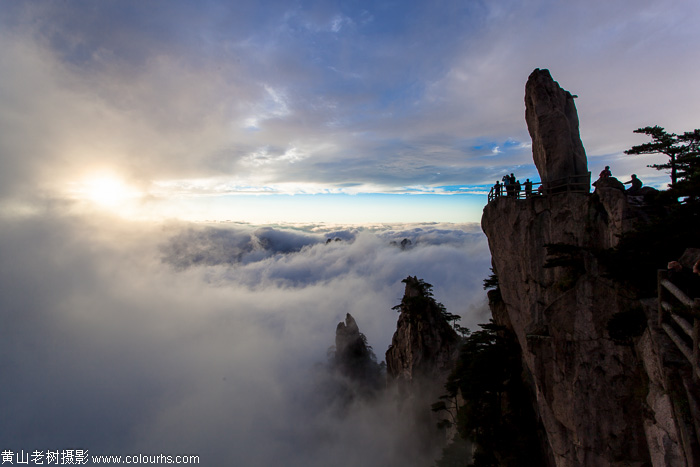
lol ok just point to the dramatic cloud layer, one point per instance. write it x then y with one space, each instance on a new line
205 340
211 98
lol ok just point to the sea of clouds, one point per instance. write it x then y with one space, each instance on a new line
206 339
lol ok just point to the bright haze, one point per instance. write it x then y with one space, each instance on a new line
171 172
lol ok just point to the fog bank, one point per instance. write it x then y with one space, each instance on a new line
206 339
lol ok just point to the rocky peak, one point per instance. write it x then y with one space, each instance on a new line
416 288
424 344
354 358
346 334
553 124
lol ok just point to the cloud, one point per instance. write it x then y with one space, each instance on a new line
211 246
115 342
374 95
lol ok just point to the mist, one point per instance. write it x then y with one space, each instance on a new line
178 338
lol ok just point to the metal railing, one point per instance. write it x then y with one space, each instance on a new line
572 184
513 191
676 312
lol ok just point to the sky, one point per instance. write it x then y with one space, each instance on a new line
171 172
216 110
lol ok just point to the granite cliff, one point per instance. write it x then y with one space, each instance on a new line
599 401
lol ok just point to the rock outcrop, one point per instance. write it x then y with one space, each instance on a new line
424 346
600 401
609 182
354 358
553 124
422 354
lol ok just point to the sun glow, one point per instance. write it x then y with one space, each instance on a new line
107 190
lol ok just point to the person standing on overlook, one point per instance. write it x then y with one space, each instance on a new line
511 185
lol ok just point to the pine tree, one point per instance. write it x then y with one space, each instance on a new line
688 164
683 152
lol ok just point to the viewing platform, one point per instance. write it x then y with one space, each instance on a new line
571 184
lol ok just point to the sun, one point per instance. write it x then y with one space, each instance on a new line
107 190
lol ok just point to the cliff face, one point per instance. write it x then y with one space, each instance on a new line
600 402
586 385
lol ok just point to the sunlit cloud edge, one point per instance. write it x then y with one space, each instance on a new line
219 187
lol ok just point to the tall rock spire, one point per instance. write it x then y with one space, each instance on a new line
552 121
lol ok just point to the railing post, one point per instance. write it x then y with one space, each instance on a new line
661 275
696 338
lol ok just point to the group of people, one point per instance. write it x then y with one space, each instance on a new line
636 183
512 187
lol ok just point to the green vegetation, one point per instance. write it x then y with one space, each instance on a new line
496 416
424 297
491 282
492 287
424 300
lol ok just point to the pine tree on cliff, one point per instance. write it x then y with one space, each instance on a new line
683 152
496 415
424 297
424 343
